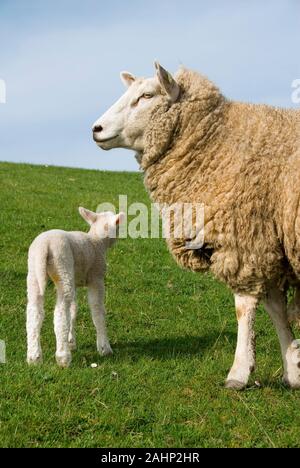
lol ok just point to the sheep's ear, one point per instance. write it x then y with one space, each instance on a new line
127 78
167 82
119 218
89 216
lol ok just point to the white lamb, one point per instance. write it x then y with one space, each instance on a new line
70 259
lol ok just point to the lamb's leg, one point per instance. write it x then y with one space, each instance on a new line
34 320
96 302
65 297
275 304
72 332
244 362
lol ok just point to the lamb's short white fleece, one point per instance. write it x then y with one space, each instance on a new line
69 259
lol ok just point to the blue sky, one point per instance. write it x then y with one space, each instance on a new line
61 62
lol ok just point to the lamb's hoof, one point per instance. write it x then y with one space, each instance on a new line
35 360
106 350
235 385
63 360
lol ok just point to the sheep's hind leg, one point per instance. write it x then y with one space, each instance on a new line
96 302
72 332
65 297
244 362
275 304
34 320
294 309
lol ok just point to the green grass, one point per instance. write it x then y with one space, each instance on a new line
173 335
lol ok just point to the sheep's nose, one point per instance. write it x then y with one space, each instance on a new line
97 128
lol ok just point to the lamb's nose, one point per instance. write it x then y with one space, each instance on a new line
97 128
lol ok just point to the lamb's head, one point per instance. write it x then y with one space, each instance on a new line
103 225
124 124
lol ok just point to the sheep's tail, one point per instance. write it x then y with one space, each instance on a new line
38 265
41 268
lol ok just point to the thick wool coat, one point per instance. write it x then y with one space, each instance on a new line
242 161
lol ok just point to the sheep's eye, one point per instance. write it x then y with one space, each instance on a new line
147 96
143 96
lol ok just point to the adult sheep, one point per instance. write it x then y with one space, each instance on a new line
242 162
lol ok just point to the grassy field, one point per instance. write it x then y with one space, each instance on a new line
173 335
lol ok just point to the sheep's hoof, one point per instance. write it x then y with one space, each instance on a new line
34 360
291 376
106 350
235 385
63 360
291 385
72 345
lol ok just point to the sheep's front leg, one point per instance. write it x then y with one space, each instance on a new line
275 305
72 332
244 362
96 295
62 325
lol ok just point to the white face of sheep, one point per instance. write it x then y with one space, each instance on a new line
124 124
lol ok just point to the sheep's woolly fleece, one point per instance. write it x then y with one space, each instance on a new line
242 161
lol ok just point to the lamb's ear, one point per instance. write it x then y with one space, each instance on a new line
127 78
167 82
119 218
89 216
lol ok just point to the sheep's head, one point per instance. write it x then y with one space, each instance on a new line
124 124
102 225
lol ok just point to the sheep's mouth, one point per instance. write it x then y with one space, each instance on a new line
104 140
